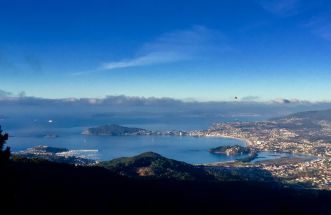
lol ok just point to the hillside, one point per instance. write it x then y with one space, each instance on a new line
307 119
39 186
311 125
153 165
322 115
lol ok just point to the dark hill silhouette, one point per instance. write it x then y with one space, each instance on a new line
4 152
150 164
40 186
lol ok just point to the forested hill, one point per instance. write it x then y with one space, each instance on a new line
153 165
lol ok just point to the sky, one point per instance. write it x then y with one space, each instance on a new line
191 50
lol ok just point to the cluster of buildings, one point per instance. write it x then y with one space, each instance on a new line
285 136
315 173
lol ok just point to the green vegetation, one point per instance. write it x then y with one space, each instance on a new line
4 153
153 165
236 150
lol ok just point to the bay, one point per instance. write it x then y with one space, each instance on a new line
192 150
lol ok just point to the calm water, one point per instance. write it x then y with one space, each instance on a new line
29 132
188 149
192 150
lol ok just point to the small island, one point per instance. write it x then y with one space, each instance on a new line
235 151
231 150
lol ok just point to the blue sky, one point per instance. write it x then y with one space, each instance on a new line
202 50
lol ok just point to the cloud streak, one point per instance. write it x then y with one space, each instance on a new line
320 26
174 47
281 7
147 59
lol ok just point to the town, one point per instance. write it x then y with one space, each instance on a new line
294 135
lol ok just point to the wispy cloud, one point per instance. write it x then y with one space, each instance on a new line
281 7
173 47
147 59
320 26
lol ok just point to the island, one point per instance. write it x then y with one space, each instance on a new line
118 130
235 151
231 150
115 130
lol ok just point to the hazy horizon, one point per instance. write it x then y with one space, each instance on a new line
30 115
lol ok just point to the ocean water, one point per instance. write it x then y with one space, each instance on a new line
192 150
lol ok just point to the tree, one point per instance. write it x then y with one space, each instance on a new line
4 153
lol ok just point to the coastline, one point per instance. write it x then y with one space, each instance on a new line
247 142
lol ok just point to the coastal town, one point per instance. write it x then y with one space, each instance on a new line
293 135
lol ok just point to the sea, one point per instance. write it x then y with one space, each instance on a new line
65 132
